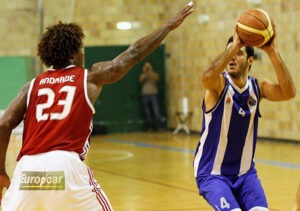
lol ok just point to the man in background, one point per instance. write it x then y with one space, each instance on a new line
149 80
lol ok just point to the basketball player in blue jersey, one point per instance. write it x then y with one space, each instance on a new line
223 165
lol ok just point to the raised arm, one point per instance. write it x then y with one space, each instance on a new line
111 71
211 76
284 89
9 120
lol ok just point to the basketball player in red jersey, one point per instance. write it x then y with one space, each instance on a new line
57 109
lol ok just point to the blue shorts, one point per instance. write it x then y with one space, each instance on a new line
240 193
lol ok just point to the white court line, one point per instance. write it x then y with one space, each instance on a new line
116 155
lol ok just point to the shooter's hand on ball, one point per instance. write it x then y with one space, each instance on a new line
271 45
236 39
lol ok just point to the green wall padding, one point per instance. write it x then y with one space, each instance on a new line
14 73
119 107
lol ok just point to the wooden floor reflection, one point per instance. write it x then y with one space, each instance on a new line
153 171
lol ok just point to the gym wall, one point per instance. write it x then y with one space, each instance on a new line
190 48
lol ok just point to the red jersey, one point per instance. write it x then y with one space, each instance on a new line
59 113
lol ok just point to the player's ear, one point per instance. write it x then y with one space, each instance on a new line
250 60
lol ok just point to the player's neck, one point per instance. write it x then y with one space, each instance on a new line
240 81
70 62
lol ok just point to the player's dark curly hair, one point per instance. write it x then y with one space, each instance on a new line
59 43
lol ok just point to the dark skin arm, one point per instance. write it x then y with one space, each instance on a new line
108 72
10 119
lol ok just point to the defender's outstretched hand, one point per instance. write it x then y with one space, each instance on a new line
111 71
180 16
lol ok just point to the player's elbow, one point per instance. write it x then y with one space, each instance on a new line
289 94
292 93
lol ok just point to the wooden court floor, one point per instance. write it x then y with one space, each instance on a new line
153 171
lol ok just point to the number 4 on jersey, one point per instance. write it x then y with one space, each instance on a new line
224 204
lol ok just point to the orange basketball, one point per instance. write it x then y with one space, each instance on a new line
254 27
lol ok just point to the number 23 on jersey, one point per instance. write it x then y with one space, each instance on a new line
66 103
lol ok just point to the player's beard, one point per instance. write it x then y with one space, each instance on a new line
239 71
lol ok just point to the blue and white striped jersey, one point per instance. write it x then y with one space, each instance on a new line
229 131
